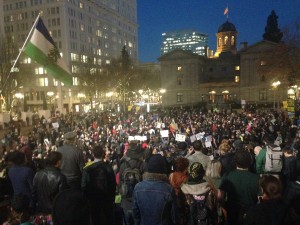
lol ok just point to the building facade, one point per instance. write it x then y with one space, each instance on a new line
186 40
229 78
81 29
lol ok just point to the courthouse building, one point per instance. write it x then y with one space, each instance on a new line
228 77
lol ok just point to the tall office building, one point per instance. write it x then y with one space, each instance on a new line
185 40
81 29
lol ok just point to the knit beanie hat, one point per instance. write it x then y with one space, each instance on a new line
157 164
196 173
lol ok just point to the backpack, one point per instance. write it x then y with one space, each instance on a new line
273 159
199 211
182 208
130 177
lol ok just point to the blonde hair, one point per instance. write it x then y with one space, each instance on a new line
224 146
214 169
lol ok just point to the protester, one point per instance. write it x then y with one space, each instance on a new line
72 161
71 207
26 149
177 179
240 187
289 169
132 167
199 196
226 157
195 154
19 211
260 159
20 175
153 198
221 133
47 183
99 185
213 173
271 209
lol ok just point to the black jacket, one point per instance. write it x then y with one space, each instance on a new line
99 181
47 183
268 212
227 162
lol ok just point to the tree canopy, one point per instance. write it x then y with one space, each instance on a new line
272 32
282 62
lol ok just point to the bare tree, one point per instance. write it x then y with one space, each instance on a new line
92 80
8 79
126 78
282 61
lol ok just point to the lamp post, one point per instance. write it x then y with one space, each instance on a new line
275 84
81 97
109 95
20 97
161 91
50 95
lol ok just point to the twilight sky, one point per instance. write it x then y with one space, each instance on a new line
249 17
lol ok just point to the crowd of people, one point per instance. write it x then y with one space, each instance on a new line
172 166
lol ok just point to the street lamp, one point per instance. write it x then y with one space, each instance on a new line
20 97
161 91
275 84
50 95
109 95
81 98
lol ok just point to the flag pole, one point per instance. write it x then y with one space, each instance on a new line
26 40
21 50
227 12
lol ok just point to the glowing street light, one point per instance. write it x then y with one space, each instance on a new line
109 94
162 91
275 84
19 95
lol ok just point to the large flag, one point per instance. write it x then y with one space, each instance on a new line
43 50
226 10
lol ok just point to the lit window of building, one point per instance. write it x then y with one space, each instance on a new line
40 70
237 79
179 80
55 83
42 82
225 95
212 96
262 95
82 27
75 81
232 40
27 60
75 69
237 68
74 57
98 33
179 97
226 40
84 58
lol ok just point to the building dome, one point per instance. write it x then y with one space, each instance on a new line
225 27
